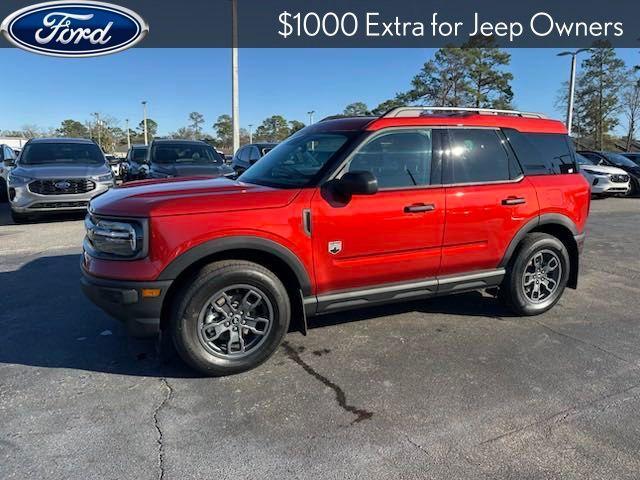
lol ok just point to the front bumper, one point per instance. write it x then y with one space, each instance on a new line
124 301
24 200
602 184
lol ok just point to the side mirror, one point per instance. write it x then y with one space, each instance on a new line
358 183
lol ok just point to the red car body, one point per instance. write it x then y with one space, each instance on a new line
472 228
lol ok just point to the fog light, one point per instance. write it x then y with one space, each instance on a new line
595 181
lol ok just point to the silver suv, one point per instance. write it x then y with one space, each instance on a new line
57 174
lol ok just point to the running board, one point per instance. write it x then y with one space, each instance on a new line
348 299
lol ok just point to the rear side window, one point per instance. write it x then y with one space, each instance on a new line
542 153
476 156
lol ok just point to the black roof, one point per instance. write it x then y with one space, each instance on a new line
61 140
261 144
341 124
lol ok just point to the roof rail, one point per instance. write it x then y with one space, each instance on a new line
420 111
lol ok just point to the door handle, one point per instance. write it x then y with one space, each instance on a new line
513 201
419 207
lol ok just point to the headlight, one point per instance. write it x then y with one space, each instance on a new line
14 179
118 238
108 177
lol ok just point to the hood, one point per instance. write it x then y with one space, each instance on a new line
180 196
604 169
61 170
190 169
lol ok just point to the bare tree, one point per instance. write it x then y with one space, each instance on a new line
631 107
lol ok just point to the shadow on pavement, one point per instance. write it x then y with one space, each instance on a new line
46 321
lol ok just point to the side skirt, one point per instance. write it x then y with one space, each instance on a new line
396 292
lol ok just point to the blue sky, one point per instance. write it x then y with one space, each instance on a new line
45 90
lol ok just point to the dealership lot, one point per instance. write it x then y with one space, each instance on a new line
447 388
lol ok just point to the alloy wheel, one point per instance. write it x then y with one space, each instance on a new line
541 276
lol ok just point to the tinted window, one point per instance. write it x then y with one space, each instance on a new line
397 159
295 162
619 160
139 154
476 155
254 154
594 157
184 153
582 160
41 153
243 154
542 153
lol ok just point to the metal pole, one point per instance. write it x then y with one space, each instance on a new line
128 134
144 119
235 111
572 87
251 133
311 116
98 128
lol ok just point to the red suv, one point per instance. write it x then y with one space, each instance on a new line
346 213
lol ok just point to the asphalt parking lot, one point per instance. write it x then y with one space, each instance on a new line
447 388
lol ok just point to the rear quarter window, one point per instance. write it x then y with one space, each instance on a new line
542 153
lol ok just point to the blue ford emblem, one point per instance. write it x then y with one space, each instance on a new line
62 185
74 29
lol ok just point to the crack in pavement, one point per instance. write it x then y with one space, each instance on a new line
341 398
156 423
560 416
584 342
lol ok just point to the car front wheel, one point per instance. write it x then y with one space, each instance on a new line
537 276
230 318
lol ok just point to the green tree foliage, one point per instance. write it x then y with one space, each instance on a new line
272 129
489 85
152 129
598 93
356 109
224 131
72 128
196 119
295 125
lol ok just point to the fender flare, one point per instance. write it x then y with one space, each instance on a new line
211 247
544 219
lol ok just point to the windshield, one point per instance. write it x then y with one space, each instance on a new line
583 160
139 154
74 153
619 160
295 162
184 153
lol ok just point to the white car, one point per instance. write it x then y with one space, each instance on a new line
604 180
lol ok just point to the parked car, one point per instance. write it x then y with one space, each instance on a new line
347 213
633 156
57 174
135 165
604 180
185 158
7 162
250 154
616 160
115 164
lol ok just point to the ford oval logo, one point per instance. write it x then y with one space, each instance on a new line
62 185
74 29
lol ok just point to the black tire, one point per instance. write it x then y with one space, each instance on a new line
512 290
196 295
19 218
633 189
4 192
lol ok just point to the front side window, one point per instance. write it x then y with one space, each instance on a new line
171 153
476 156
295 162
61 153
398 159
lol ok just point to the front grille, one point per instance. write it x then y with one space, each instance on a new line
59 205
62 186
619 178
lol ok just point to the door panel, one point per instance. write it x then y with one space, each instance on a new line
481 221
380 241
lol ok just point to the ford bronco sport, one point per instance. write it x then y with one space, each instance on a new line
348 212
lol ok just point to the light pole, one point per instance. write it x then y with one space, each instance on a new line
235 110
97 115
128 134
310 113
144 120
572 84
251 133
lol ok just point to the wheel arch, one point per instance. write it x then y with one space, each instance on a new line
280 260
557 225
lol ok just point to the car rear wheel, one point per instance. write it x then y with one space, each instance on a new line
537 276
231 318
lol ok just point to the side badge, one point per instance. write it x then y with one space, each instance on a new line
335 247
